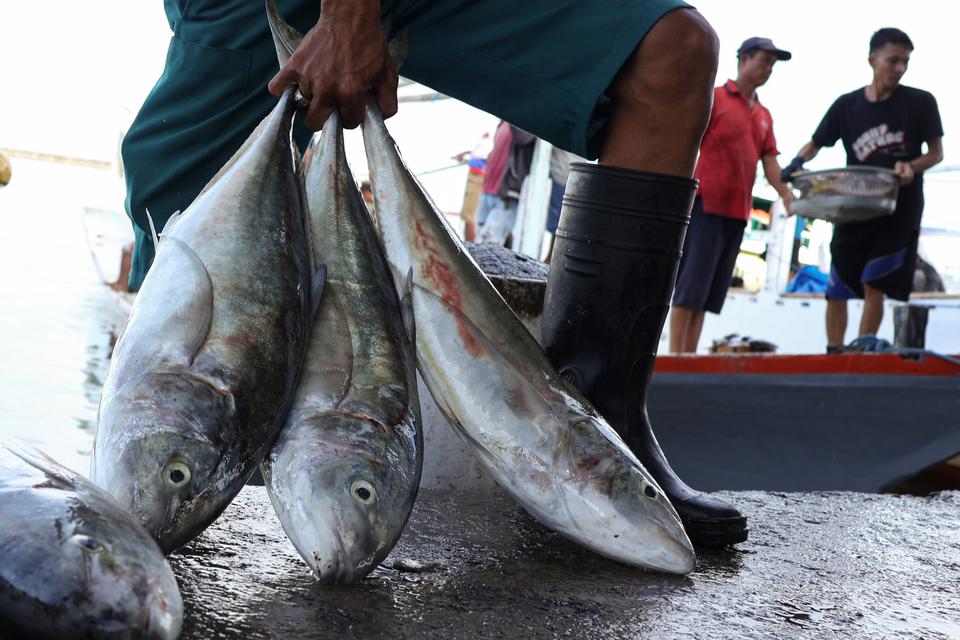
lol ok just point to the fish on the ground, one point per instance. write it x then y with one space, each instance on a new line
73 563
535 434
206 366
344 471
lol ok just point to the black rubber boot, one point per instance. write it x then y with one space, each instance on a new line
611 279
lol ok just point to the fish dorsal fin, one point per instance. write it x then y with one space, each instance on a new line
171 315
58 476
286 39
153 229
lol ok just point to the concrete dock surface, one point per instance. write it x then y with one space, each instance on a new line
475 565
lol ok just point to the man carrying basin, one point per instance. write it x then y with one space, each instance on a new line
635 91
884 124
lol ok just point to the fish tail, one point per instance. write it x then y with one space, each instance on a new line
286 39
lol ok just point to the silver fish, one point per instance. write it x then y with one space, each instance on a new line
73 563
344 471
206 366
534 433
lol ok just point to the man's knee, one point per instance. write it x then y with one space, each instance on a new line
678 56
871 293
685 40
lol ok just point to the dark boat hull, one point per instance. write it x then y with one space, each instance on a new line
805 423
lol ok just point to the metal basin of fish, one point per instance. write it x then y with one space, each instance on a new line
73 563
535 434
850 194
206 366
344 471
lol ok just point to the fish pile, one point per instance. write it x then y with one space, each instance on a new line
282 326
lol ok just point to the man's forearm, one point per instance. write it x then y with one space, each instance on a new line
771 170
808 151
926 161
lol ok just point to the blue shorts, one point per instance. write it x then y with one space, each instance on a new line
500 223
556 204
881 252
487 203
710 253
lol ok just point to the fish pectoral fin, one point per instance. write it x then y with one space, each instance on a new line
171 315
171 223
220 387
444 407
316 288
406 308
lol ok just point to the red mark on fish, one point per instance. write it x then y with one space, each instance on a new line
438 271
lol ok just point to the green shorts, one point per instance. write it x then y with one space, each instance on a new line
542 65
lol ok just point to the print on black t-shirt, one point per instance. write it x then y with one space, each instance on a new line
880 134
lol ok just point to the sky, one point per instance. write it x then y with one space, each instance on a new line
72 85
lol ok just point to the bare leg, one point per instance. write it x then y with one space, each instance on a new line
694 327
685 326
469 231
126 257
679 320
836 321
872 310
662 97
553 241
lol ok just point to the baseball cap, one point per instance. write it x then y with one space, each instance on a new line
764 44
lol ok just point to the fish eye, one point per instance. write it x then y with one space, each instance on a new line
648 489
363 492
87 543
176 475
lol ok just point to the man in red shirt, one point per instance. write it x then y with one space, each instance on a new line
739 134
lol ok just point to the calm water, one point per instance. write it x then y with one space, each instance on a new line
57 319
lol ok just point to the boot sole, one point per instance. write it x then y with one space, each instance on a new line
717 533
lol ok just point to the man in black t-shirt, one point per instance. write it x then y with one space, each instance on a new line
884 124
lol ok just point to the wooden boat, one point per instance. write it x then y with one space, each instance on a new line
856 422
107 232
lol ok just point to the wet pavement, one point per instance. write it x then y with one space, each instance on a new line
832 565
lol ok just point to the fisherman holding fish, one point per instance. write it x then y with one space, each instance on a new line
634 90
884 124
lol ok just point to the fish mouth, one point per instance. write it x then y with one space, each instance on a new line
333 560
676 553
330 568
181 522
164 618
332 565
